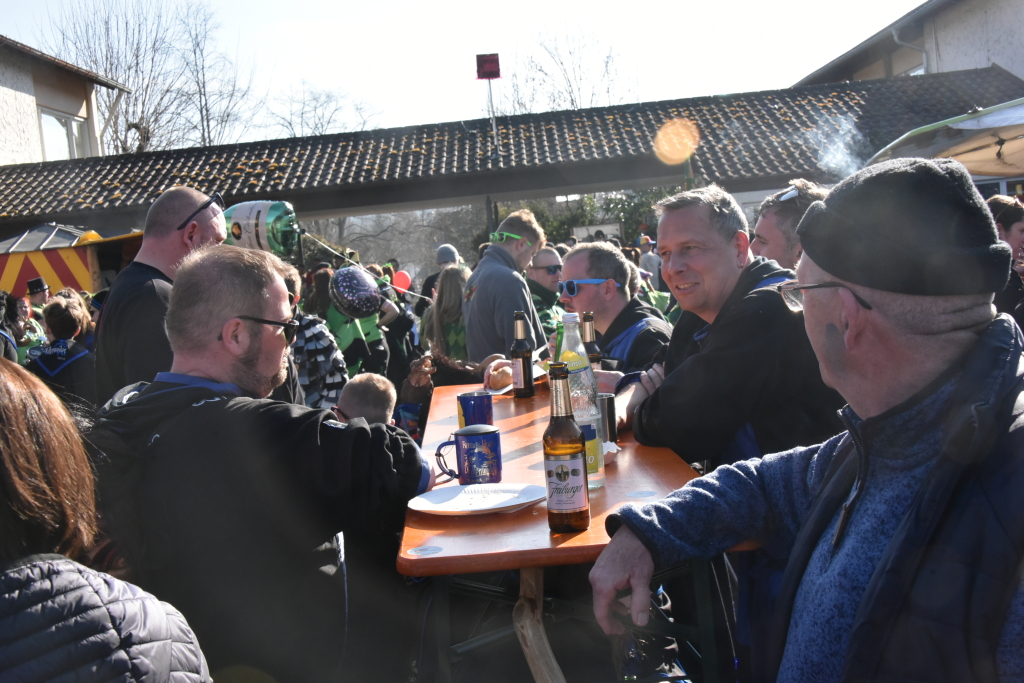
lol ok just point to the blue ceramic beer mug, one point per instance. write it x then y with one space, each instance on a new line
477 455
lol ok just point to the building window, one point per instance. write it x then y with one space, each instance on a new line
64 136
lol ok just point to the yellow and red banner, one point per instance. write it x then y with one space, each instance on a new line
68 267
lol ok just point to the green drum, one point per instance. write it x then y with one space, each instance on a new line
268 226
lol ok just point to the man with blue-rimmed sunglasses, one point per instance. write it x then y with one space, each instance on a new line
131 345
595 279
497 289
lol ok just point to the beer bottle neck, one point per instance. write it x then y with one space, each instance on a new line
588 331
520 329
561 399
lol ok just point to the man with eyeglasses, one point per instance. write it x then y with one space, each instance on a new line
232 505
131 345
542 279
905 531
631 333
496 289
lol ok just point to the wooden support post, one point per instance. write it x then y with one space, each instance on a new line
528 617
443 626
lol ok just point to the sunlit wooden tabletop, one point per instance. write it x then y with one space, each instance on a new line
434 545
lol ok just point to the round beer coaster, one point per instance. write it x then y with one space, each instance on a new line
641 494
425 550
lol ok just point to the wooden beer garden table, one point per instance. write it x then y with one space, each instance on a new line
439 546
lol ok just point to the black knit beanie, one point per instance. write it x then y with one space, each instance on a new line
912 226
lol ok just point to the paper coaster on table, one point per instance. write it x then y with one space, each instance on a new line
477 499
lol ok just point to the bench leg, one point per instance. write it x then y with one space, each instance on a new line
443 627
528 618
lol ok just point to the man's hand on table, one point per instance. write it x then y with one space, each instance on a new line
630 398
607 380
624 562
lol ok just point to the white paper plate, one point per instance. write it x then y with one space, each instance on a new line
477 499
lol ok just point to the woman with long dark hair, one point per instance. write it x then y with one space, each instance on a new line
97 628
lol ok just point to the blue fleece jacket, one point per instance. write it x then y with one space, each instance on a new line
768 500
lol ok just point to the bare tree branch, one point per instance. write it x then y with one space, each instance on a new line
306 110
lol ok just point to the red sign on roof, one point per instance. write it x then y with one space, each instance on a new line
487 67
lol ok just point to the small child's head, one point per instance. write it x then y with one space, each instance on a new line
369 396
63 317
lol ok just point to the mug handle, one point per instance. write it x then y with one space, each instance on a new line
443 465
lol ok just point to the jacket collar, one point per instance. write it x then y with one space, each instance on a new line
500 256
546 296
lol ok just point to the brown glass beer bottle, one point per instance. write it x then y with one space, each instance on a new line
522 360
590 341
565 465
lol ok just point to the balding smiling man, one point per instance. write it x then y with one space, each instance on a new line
131 345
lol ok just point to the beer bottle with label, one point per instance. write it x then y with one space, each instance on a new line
590 341
522 360
564 466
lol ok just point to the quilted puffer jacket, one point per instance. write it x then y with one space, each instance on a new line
60 621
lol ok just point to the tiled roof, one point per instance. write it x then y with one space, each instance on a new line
816 131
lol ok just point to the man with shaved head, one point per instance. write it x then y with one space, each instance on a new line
131 345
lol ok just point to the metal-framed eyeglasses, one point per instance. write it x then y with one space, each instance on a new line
215 198
550 270
291 327
499 237
793 293
571 287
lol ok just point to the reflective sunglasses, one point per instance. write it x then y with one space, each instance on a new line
215 198
571 287
291 327
793 293
500 237
550 270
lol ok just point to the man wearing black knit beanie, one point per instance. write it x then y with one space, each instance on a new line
905 532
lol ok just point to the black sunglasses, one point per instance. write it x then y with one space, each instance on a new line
793 293
551 270
215 198
291 327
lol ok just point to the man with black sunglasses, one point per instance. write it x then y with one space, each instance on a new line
131 345
542 279
231 504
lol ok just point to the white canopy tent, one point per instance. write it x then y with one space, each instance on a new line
989 142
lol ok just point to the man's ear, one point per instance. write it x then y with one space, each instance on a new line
742 244
234 335
853 318
190 234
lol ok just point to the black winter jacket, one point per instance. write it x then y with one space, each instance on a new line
232 507
68 369
746 385
647 343
62 621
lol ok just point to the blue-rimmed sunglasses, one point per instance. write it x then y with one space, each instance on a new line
215 198
571 287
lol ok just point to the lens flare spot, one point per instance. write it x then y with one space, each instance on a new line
676 141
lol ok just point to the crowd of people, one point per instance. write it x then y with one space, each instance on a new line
220 432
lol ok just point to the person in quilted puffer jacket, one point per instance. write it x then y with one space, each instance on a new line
58 618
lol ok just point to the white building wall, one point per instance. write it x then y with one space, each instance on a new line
974 34
19 119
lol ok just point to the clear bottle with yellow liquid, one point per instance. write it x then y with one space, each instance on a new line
583 390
